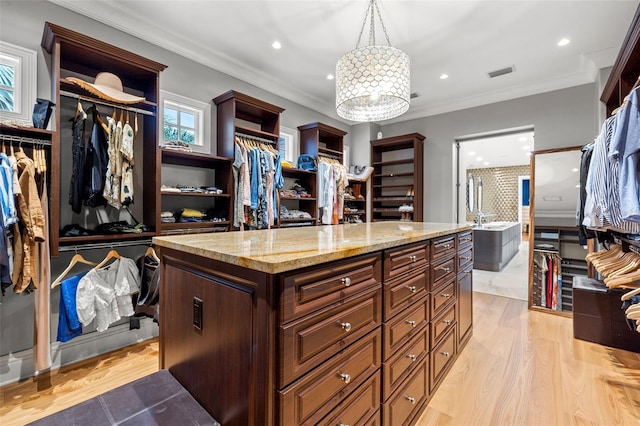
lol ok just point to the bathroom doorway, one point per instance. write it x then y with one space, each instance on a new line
501 160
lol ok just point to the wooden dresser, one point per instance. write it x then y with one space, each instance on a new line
363 337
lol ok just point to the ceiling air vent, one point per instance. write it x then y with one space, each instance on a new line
503 71
414 95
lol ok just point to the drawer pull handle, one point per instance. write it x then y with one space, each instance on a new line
345 377
410 399
447 321
466 239
411 323
447 246
412 288
466 257
346 326
413 258
346 281
446 270
445 295
412 357
343 424
445 354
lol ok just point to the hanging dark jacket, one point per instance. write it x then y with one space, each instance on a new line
95 166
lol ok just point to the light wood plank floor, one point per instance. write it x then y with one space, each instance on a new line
519 368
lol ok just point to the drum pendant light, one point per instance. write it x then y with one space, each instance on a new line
372 82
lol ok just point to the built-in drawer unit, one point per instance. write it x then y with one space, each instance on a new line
313 339
316 394
442 296
465 257
442 356
443 271
442 248
405 259
441 324
399 330
400 365
319 286
361 407
402 292
464 239
408 401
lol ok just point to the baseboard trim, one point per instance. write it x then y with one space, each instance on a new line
21 365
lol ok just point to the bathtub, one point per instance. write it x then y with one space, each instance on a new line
495 244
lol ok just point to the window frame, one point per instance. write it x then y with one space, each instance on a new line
26 80
202 111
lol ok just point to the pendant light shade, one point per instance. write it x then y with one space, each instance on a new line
373 82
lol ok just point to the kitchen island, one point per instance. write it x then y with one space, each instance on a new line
344 324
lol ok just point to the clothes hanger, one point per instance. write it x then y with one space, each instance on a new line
113 254
628 295
135 125
152 254
623 280
77 258
4 149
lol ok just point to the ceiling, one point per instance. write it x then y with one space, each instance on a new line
497 151
464 39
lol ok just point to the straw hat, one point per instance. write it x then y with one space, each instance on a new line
107 86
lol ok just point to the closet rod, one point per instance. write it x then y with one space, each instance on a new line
115 244
109 104
545 251
328 156
24 139
255 138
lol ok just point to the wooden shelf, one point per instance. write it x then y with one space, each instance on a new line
393 162
330 152
299 198
404 185
195 159
289 220
259 133
389 175
181 225
393 199
194 194
288 171
86 239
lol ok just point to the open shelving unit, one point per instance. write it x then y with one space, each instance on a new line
397 178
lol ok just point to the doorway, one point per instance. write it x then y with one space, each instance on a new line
502 161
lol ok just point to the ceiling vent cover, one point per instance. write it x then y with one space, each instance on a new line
503 71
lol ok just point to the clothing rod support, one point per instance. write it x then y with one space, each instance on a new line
255 138
24 139
109 104
95 246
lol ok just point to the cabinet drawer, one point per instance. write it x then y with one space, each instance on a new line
405 259
310 341
443 271
361 407
464 239
320 286
404 326
402 292
409 400
402 363
465 257
442 324
442 296
441 358
314 396
443 247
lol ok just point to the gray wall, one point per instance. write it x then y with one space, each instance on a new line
560 118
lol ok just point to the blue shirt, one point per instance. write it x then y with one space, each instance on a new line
68 323
7 199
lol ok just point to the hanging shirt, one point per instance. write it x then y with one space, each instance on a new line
126 194
625 150
95 167
7 198
77 161
238 187
69 325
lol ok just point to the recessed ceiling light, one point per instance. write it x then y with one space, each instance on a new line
564 42
479 159
330 77
276 45
525 147
472 153
444 76
486 163
522 139
574 170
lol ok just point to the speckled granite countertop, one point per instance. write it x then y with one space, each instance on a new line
280 250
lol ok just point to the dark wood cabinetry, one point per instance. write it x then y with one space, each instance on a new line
213 172
355 202
317 139
352 341
238 113
397 178
302 202
77 55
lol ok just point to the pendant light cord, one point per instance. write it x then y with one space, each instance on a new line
372 27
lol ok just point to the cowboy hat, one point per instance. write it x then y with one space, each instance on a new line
107 86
